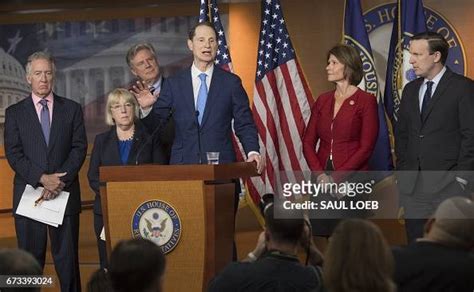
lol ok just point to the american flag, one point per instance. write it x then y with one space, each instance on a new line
281 104
223 56
203 11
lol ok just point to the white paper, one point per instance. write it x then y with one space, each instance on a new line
50 212
102 234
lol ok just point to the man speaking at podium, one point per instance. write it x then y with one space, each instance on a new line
205 99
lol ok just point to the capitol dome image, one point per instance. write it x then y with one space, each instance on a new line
13 85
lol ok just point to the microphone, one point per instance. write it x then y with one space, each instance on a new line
161 124
199 136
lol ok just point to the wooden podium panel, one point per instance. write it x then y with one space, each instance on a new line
186 261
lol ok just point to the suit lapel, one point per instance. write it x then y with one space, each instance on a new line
112 147
57 120
33 120
415 102
212 93
440 89
138 140
186 83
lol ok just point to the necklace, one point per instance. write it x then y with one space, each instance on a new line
129 138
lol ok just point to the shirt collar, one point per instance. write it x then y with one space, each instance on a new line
157 84
37 99
437 78
195 71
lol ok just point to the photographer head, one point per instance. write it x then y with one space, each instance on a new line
137 265
18 262
283 234
452 224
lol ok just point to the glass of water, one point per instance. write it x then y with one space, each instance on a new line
212 157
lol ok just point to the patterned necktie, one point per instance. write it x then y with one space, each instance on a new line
44 117
427 96
202 97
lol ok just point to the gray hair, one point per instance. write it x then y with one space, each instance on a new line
37 56
114 97
133 51
454 221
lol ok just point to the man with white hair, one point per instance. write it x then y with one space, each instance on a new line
443 259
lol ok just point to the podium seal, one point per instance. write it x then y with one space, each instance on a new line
159 222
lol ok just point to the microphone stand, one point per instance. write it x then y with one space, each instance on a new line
199 136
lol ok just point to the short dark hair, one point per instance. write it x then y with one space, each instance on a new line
351 60
436 43
14 261
284 230
192 31
99 282
136 265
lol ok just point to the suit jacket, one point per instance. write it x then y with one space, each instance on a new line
30 157
226 100
166 131
106 153
353 134
441 139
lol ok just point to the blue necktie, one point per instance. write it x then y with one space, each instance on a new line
426 97
202 97
44 117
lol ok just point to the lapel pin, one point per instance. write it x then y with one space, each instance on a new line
351 102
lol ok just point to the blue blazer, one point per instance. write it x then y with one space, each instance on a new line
30 157
226 100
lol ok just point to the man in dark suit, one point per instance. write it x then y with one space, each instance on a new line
435 132
205 99
143 63
45 144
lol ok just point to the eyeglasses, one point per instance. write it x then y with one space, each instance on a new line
117 107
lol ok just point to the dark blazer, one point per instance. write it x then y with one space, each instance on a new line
353 134
226 100
106 153
443 139
30 157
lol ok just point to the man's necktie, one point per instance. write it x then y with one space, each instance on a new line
44 117
152 90
202 97
427 96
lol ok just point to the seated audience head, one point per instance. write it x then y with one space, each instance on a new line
18 262
137 265
286 231
358 259
99 282
121 108
453 223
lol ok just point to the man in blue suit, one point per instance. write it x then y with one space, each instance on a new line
205 99
46 144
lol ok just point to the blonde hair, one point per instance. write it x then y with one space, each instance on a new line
113 98
358 259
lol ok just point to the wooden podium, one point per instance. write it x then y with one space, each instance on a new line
203 198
